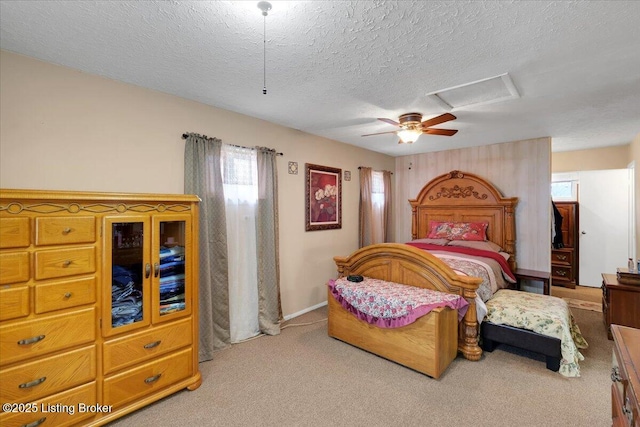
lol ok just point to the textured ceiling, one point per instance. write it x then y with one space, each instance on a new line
333 67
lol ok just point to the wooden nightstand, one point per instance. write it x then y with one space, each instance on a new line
620 303
534 275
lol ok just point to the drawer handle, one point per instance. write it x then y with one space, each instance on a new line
561 257
561 273
32 383
67 230
156 269
615 375
152 344
67 263
35 423
67 295
147 271
31 340
152 379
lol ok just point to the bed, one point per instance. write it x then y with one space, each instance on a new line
455 197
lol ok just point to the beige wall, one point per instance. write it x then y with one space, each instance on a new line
594 159
518 169
67 130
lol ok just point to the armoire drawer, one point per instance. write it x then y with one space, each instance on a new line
66 294
122 352
65 230
14 233
561 273
23 340
14 267
47 416
65 262
39 378
14 302
562 257
147 379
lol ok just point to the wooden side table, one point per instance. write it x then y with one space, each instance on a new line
534 275
620 303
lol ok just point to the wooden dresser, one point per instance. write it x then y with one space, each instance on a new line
93 323
625 375
620 303
564 261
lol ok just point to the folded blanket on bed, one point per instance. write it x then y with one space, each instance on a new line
544 315
391 305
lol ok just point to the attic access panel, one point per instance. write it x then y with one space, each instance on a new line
486 91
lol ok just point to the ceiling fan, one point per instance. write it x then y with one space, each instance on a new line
411 126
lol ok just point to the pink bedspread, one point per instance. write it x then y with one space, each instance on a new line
391 305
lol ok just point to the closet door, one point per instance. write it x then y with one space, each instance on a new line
604 223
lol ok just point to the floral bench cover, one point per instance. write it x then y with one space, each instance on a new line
391 305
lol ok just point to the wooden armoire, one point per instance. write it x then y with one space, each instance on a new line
564 261
98 304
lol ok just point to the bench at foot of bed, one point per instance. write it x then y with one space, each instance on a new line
428 345
492 335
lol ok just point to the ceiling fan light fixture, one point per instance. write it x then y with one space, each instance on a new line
409 136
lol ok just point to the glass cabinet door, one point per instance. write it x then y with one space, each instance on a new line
171 268
127 256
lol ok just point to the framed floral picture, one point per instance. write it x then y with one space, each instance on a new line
324 197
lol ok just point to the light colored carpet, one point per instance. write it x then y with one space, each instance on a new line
584 305
304 378
584 293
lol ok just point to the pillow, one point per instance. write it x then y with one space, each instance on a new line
483 246
439 242
474 231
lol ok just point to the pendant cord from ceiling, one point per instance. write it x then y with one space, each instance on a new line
265 6
264 55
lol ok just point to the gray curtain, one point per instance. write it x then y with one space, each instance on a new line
366 207
202 176
269 306
386 216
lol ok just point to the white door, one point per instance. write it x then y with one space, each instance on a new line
603 223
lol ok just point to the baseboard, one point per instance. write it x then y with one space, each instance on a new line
306 310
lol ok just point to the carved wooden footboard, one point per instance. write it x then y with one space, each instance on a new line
405 264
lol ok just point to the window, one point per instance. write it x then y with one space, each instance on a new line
377 205
240 180
239 173
564 191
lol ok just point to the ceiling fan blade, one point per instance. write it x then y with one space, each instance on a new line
445 132
379 133
391 122
437 120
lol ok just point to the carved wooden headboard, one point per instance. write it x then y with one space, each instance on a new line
464 197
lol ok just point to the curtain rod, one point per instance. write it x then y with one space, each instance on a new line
360 167
186 135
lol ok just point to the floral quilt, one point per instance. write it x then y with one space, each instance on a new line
542 314
391 305
474 269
